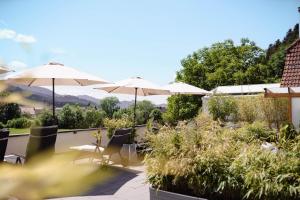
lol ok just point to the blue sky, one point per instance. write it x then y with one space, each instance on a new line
120 39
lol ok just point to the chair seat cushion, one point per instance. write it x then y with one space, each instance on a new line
87 147
12 158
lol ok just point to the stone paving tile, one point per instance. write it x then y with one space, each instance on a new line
134 189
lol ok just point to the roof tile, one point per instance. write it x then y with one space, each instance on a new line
291 72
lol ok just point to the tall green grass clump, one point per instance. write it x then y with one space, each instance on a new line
216 162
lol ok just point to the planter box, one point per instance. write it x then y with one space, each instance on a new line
164 195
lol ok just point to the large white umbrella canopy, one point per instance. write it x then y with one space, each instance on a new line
135 86
4 70
53 74
62 75
184 88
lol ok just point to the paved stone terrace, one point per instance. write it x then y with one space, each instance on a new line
127 185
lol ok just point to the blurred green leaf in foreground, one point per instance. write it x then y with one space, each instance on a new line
45 177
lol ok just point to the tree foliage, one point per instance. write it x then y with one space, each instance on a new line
224 63
143 111
110 105
227 63
9 111
181 107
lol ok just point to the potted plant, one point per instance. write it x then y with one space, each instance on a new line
113 125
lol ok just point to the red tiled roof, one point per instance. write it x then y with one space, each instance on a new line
291 72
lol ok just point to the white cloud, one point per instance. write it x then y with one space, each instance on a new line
21 38
15 64
25 38
7 34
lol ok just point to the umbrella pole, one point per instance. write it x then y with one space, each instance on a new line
134 109
53 97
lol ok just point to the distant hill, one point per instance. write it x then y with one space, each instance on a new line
44 96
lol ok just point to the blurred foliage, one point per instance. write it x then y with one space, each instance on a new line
45 118
21 122
214 162
9 111
45 177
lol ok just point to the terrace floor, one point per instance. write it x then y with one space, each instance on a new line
128 184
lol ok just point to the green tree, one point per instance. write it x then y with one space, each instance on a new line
9 111
110 105
46 118
143 110
71 117
275 54
94 118
181 107
156 115
224 63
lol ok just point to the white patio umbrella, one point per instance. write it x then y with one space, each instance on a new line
4 70
54 74
184 88
136 86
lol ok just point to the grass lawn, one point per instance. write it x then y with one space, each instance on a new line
20 131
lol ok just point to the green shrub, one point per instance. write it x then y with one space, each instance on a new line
113 124
110 105
266 175
143 111
156 115
287 132
2 125
216 162
222 107
256 131
37 122
275 110
123 112
19 123
9 111
94 118
181 107
71 117
45 118
249 108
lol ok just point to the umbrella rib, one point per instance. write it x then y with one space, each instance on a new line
113 90
31 82
143 92
78 82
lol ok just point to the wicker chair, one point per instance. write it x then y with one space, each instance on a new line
41 139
